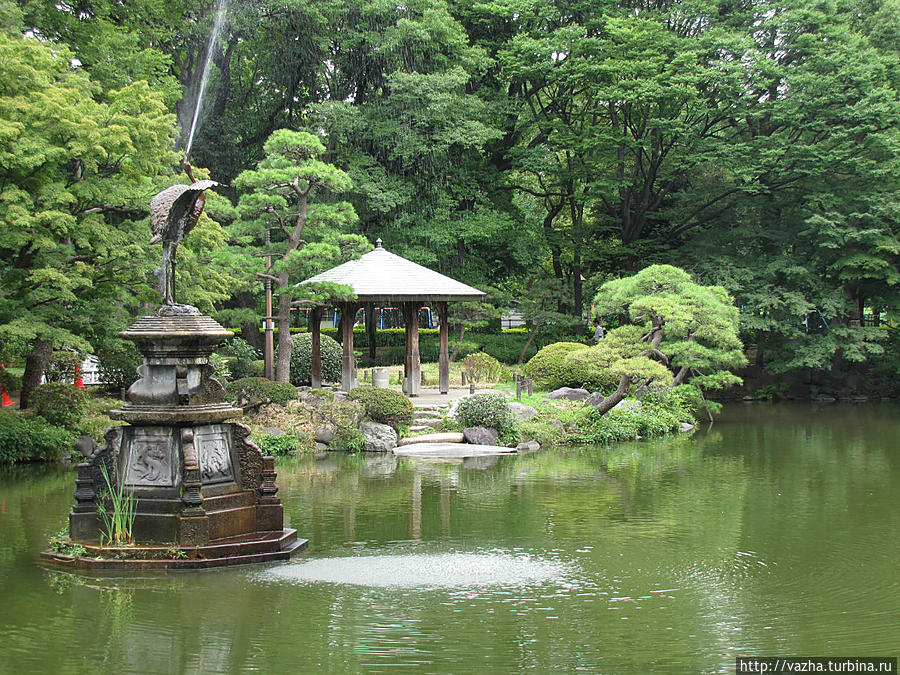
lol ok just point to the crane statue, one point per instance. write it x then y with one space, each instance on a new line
173 214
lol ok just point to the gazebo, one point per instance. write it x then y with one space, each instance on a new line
377 278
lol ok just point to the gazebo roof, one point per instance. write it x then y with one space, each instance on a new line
380 276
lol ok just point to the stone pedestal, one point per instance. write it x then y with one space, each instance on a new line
197 479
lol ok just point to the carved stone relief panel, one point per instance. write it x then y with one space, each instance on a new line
213 443
151 456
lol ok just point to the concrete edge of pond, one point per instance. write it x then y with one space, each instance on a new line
165 558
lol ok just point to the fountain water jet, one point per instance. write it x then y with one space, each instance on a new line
221 11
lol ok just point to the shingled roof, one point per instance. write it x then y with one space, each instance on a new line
381 276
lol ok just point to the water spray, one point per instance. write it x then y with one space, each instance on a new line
213 38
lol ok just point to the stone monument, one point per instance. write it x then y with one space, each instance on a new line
203 493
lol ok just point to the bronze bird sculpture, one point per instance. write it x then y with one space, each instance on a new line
173 214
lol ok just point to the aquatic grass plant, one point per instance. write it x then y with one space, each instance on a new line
116 509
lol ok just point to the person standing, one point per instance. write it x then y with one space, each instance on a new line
598 330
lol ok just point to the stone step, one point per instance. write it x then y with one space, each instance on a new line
444 437
431 406
420 427
428 415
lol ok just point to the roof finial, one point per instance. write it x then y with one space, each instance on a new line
378 243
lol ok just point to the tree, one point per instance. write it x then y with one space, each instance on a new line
284 197
673 323
74 162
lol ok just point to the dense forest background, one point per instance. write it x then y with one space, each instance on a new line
531 148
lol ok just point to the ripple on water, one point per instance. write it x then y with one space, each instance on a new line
439 570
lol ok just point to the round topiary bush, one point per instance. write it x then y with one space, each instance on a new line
548 367
384 405
483 367
252 392
590 368
60 403
301 359
486 410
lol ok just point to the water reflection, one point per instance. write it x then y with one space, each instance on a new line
774 532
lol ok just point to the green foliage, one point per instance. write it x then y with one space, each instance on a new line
482 367
77 162
62 366
118 363
385 406
61 404
9 381
487 410
116 508
589 426
685 325
26 438
277 445
252 392
301 359
243 354
348 439
548 367
221 367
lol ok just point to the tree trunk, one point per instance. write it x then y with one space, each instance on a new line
283 369
35 363
618 395
528 342
462 332
679 376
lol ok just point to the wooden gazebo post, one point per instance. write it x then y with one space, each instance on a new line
444 359
348 369
411 321
315 325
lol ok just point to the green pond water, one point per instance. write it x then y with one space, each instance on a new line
775 532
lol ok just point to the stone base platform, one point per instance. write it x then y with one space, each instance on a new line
255 547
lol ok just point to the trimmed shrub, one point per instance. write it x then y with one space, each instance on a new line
385 406
483 367
590 368
252 392
60 403
301 359
548 367
24 438
486 410
257 368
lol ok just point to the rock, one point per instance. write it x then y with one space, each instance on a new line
273 431
444 437
685 427
84 445
594 399
522 411
528 446
480 436
568 393
630 406
321 447
558 424
379 437
324 435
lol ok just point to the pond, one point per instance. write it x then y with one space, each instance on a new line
774 532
